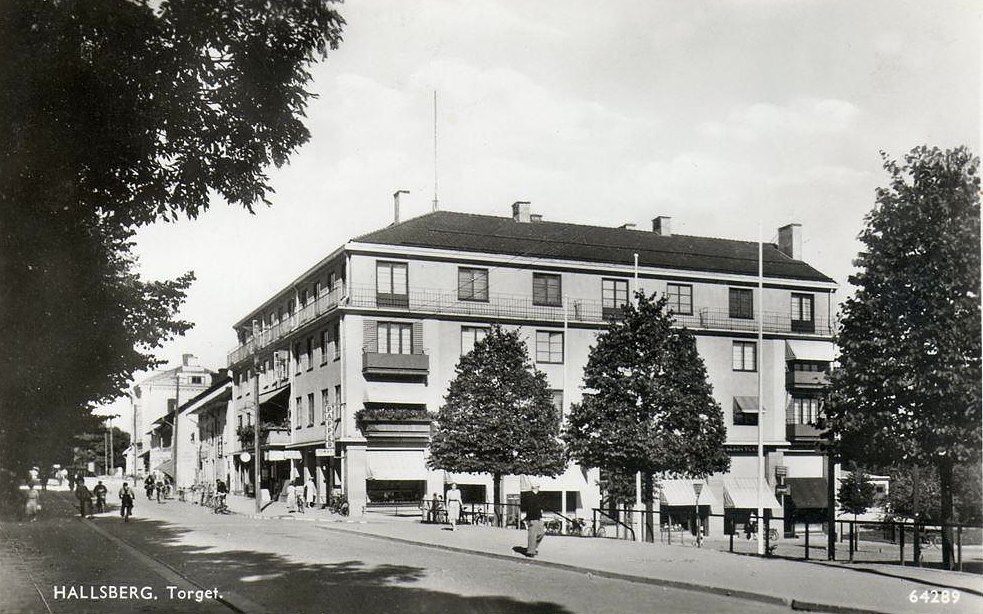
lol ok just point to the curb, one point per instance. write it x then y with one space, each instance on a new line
794 604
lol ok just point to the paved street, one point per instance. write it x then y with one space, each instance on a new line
270 565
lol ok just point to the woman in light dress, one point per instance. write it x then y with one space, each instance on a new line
453 502
33 504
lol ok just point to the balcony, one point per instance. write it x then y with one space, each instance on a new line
269 435
375 364
590 311
326 303
394 423
802 432
806 380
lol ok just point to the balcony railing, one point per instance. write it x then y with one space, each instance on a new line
802 432
514 307
806 379
402 365
592 311
319 306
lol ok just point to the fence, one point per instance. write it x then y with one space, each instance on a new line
898 542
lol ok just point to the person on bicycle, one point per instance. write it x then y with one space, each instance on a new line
221 490
100 492
148 485
126 499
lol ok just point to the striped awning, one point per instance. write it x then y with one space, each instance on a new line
395 465
742 493
681 492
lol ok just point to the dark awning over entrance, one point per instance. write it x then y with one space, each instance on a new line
167 467
807 492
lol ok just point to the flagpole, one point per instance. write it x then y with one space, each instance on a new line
759 367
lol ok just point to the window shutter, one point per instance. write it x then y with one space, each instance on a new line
417 337
370 337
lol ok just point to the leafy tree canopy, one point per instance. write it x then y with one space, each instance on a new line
967 491
908 387
115 114
856 494
498 416
648 405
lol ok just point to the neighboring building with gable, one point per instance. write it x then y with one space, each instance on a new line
352 354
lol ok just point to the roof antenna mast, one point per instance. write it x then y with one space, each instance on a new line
435 150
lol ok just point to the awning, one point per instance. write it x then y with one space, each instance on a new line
746 405
742 493
680 492
395 465
809 350
166 467
807 492
465 478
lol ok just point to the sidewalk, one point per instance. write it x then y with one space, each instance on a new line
801 585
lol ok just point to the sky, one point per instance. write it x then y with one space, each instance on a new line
715 113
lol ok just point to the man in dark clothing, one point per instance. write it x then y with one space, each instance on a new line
85 498
126 502
148 485
534 521
100 492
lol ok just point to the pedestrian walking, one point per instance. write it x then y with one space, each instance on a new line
33 504
534 521
159 489
299 495
71 481
434 508
148 486
454 504
84 497
291 491
126 499
100 492
310 492
221 490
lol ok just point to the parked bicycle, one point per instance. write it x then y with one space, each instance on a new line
338 504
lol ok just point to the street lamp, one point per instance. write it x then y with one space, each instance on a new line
698 488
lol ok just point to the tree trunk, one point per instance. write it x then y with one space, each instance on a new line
945 484
649 529
497 498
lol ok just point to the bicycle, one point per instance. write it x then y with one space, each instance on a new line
553 526
220 506
338 504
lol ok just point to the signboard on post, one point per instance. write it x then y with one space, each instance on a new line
323 452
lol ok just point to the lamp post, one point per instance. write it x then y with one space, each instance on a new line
698 488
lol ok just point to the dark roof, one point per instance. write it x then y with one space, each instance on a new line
502 235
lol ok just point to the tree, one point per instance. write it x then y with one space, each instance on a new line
91 447
908 388
114 114
856 495
649 407
967 498
498 416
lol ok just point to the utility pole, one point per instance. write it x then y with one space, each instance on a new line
256 461
112 453
177 410
758 356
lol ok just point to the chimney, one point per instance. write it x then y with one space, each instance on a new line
520 211
396 204
662 226
790 241
628 226
187 359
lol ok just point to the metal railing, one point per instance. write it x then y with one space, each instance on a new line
616 520
500 306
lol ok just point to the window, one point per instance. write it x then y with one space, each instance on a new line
614 294
171 404
325 402
745 358
680 298
310 409
549 346
558 403
309 357
240 420
303 298
298 411
297 357
337 339
395 338
745 419
325 340
802 313
317 289
472 284
331 281
804 410
471 335
337 402
741 303
390 284
197 379
546 289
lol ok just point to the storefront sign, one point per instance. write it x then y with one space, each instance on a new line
323 452
274 455
292 454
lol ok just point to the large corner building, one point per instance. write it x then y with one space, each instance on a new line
351 355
